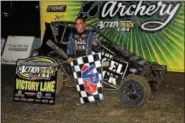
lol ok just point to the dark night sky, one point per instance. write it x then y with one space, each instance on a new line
20 18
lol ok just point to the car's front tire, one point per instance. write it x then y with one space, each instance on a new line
134 90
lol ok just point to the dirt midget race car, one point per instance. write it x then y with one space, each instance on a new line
132 76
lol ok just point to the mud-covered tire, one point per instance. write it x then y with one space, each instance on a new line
134 90
157 83
158 77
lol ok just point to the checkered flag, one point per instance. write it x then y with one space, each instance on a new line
87 73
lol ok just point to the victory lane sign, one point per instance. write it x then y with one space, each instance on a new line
44 86
35 80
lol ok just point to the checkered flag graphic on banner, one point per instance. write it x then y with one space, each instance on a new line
87 73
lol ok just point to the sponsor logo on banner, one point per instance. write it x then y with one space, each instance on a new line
119 25
166 12
39 94
23 99
16 98
48 97
51 101
56 8
35 68
37 100
90 77
30 93
17 47
45 101
19 94
30 99
48 94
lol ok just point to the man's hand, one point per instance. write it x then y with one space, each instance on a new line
69 59
95 43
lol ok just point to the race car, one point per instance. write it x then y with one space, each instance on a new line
133 77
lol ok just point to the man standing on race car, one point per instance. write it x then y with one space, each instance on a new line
80 43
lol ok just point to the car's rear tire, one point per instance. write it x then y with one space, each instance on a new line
155 84
155 79
134 90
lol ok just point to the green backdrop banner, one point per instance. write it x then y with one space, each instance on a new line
153 30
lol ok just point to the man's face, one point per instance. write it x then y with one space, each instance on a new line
80 25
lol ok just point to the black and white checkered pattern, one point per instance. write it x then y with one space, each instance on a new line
77 64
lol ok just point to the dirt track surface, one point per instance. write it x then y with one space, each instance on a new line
164 106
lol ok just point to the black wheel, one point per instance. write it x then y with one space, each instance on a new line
157 77
155 84
134 91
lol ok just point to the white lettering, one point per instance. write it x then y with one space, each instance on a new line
110 11
116 8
